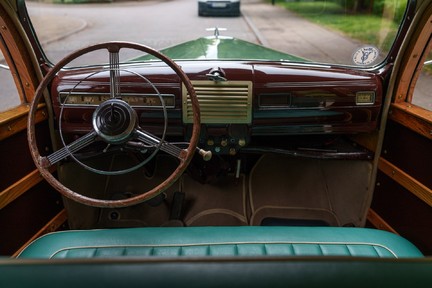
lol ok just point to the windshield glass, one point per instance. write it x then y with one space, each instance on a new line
346 32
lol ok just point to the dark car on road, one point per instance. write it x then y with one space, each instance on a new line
218 7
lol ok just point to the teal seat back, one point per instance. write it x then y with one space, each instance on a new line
221 242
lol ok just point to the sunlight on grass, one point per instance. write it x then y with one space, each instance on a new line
367 28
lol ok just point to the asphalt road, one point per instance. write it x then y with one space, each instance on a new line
161 24
157 24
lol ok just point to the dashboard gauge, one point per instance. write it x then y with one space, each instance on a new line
71 100
104 97
133 99
153 101
90 100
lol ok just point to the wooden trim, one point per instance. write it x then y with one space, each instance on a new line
20 57
20 187
413 117
53 225
408 182
379 222
15 120
414 57
420 65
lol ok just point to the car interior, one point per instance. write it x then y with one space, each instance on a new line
152 166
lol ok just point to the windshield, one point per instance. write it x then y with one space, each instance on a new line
345 32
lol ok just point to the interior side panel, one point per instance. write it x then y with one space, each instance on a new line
403 210
25 216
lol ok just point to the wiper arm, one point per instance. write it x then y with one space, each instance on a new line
4 67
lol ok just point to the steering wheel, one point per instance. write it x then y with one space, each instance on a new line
114 121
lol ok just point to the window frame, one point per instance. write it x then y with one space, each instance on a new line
402 110
24 68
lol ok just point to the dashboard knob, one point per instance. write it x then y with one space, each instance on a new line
224 142
207 155
242 142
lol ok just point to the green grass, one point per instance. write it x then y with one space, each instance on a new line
367 28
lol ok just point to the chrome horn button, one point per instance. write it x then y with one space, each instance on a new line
114 121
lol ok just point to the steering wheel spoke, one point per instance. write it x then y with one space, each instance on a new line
152 140
114 68
69 149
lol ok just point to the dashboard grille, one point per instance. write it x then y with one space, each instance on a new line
220 102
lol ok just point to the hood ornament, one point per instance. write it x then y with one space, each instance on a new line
216 30
216 75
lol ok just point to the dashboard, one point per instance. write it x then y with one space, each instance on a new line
239 100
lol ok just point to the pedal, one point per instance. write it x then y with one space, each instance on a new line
177 206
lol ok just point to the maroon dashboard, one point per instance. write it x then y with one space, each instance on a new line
239 101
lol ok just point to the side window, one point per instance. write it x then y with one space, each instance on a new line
423 90
8 91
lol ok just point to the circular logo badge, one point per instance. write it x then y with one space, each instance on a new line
365 55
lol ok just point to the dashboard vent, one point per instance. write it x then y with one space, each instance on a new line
223 102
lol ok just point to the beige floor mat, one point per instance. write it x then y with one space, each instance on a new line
309 189
280 187
219 203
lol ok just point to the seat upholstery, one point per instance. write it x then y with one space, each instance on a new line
219 272
221 241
